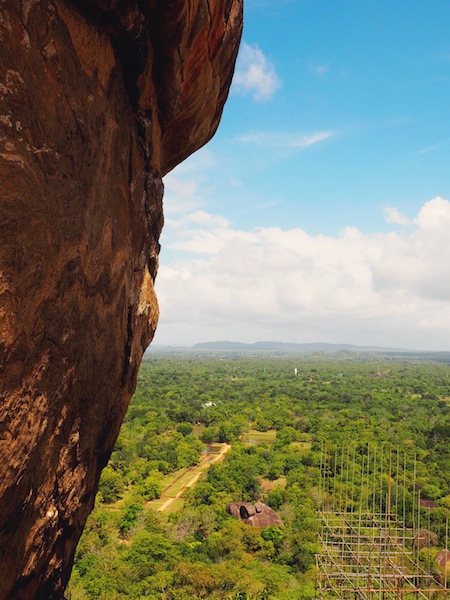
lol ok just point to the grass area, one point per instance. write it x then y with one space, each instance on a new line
156 504
176 505
179 486
172 477
268 485
258 437
176 483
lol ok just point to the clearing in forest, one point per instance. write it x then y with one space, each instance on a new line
252 436
177 483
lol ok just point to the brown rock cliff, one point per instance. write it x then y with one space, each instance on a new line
98 100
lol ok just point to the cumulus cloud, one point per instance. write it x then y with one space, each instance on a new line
255 74
433 214
420 263
271 283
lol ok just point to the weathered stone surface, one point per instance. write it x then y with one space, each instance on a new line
98 99
257 514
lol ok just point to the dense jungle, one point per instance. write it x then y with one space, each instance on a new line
256 427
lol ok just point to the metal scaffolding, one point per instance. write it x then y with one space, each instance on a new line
373 544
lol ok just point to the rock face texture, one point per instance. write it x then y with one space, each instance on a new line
98 100
257 514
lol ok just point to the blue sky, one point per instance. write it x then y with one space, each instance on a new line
320 211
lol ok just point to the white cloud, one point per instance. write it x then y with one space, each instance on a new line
433 214
255 74
393 215
199 218
420 262
185 188
286 284
183 194
269 139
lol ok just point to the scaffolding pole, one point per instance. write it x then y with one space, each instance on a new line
367 550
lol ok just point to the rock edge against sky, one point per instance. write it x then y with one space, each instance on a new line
97 104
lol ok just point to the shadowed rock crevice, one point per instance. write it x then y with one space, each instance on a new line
98 99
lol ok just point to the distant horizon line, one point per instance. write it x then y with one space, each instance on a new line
273 345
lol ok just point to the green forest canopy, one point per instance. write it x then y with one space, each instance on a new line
182 403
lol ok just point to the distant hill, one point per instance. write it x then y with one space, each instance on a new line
334 351
290 347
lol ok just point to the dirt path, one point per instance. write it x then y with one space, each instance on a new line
193 481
